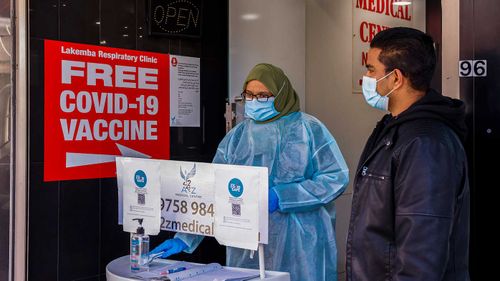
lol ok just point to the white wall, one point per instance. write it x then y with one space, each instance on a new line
451 47
271 31
328 90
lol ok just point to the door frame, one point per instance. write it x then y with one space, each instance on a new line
17 251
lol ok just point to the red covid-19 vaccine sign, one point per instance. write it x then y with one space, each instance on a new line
101 103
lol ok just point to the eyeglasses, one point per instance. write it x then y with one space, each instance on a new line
261 96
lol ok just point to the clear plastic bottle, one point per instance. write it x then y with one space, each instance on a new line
139 249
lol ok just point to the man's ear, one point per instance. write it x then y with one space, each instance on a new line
399 79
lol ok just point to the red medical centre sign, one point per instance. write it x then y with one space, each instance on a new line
101 103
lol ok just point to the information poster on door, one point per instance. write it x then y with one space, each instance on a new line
369 18
100 103
185 89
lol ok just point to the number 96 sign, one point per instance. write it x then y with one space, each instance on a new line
472 68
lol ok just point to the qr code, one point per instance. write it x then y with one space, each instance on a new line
141 199
236 209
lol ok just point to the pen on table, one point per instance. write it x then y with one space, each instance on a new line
174 270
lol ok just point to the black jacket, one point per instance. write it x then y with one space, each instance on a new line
410 207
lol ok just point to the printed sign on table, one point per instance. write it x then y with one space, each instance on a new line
101 103
228 202
237 205
141 194
187 199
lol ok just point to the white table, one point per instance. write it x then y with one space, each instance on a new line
119 270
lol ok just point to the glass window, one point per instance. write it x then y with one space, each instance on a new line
5 133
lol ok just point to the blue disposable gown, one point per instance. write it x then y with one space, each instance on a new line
307 171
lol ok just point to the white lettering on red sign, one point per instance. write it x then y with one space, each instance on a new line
107 101
125 76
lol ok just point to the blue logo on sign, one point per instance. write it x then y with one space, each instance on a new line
140 179
235 187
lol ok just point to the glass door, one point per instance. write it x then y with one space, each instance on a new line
5 134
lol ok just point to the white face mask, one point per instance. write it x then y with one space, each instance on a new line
372 97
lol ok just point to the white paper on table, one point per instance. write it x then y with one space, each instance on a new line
141 194
237 206
205 272
191 271
187 189
225 274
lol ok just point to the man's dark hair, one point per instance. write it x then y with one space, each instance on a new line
409 50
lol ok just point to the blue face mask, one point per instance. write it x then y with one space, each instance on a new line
260 111
372 97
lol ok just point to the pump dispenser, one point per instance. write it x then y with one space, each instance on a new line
139 249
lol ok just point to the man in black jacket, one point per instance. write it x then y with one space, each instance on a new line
410 207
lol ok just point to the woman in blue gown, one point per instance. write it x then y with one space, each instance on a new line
306 174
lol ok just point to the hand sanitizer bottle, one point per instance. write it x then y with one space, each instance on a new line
139 249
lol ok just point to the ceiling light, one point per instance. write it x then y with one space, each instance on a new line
401 2
250 16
